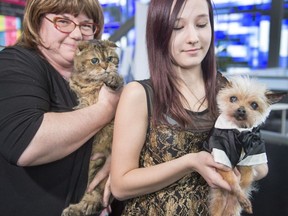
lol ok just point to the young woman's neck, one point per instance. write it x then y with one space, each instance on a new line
191 76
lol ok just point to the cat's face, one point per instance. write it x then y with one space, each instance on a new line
96 59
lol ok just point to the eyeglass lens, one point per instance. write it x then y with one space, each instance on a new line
67 26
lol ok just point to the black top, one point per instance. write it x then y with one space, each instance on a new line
165 142
30 87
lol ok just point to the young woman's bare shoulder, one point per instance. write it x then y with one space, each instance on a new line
134 89
133 98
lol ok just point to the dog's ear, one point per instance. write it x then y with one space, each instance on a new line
274 97
227 84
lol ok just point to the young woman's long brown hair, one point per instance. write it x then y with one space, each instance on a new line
167 98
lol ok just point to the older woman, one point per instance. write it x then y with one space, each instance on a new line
45 145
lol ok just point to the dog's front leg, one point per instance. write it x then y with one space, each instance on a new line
236 189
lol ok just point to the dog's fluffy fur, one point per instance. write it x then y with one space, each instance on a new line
244 104
95 63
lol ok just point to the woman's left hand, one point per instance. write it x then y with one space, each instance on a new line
102 174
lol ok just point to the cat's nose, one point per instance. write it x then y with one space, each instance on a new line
104 66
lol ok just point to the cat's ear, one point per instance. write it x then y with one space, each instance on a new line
81 46
274 97
111 44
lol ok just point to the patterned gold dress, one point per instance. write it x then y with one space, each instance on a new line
187 196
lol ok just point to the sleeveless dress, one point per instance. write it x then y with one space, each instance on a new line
187 196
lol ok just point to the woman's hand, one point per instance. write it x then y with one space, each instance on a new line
102 174
206 167
107 193
109 98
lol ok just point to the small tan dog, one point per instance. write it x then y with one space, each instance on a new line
244 105
95 63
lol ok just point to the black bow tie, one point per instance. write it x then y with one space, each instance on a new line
250 139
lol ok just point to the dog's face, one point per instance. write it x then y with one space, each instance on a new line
246 102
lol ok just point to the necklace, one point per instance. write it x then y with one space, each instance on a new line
198 100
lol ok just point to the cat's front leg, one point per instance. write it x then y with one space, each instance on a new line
90 204
114 81
73 210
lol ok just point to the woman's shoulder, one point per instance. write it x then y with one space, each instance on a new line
134 92
145 82
132 98
23 62
17 50
21 56
134 89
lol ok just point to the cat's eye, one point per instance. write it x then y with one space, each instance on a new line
112 59
254 105
109 59
233 99
94 60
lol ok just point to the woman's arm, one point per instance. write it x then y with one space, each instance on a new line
60 134
127 179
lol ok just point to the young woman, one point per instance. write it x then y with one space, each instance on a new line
45 146
158 162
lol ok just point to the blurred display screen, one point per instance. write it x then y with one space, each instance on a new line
233 3
283 55
10 29
116 13
18 2
242 33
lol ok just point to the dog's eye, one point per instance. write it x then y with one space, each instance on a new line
233 99
94 60
254 105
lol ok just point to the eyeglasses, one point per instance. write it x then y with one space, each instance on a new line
65 25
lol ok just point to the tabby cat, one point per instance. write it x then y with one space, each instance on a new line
95 63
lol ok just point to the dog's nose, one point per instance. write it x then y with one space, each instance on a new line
241 111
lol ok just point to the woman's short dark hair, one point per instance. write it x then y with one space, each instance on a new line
35 10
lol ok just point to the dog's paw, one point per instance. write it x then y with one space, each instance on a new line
246 204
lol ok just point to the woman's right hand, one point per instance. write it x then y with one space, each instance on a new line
206 167
109 98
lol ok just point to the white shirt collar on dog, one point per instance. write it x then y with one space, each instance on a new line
223 123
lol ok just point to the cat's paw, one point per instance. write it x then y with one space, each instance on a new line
114 81
91 203
83 209
73 210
